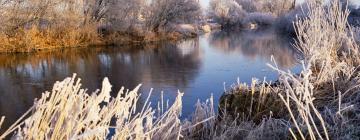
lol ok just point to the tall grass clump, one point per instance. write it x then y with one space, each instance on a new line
322 101
325 95
70 112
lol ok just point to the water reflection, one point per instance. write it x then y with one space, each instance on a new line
25 76
197 67
254 44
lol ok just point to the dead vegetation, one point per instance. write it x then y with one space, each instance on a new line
35 24
70 112
46 24
239 13
322 102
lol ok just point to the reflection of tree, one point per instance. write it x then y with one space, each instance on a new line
23 77
253 44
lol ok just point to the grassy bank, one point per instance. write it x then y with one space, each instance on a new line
34 25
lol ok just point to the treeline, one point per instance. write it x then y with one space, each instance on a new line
42 24
280 14
239 13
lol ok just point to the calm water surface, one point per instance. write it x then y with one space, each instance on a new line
198 67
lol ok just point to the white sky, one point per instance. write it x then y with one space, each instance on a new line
204 3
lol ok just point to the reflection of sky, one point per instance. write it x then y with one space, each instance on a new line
224 67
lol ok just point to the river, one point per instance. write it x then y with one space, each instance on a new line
199 67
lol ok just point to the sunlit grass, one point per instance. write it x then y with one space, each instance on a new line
70 112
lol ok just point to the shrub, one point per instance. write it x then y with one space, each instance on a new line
275 7
125 15
226 12
163 13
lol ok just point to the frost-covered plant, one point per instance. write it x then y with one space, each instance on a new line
161 13
275 7
70 112
226 12
321 98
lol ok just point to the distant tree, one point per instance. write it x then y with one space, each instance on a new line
276 7
226 12
163 12
124 15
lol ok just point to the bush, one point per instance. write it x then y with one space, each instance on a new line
163 13
125 15
226 12
275 7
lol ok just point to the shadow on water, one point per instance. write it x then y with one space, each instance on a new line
198 67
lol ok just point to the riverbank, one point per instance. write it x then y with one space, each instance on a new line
33 40
34 25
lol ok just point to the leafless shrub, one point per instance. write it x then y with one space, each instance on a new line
164 12
261 19
226 12
275 7
125 15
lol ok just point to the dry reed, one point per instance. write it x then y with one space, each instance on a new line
69 112
322 101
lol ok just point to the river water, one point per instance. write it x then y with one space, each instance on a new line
199 67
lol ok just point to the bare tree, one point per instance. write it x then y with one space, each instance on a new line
226 12
276 7
124 15
163 12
